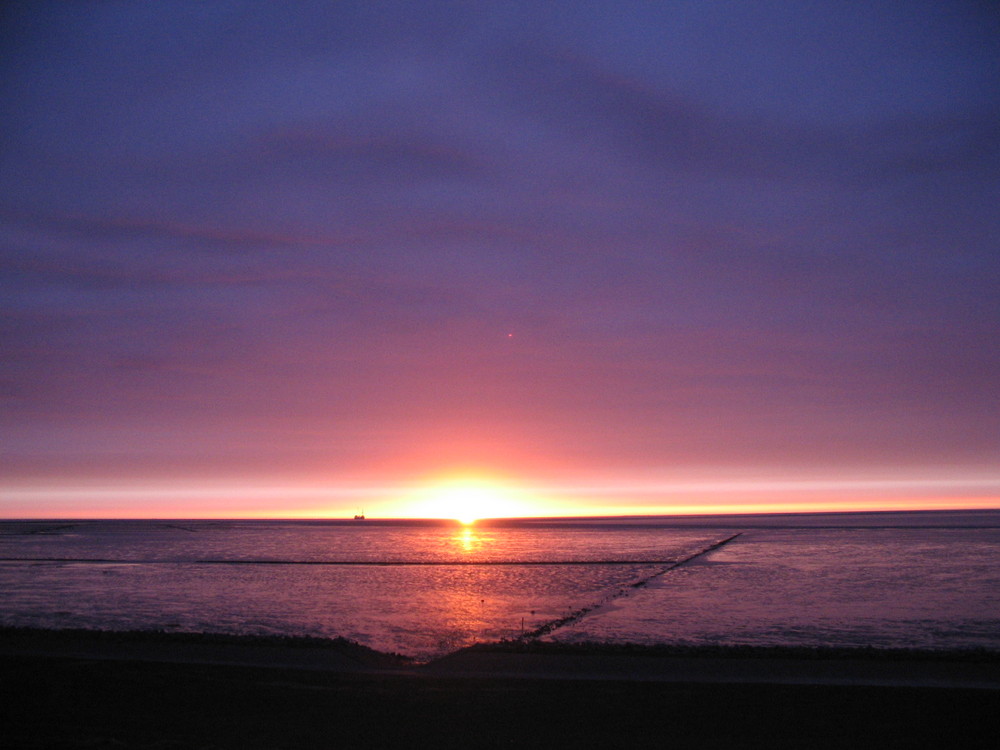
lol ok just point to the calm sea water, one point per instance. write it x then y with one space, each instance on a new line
929 580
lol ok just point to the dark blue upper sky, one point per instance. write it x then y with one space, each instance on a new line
377 239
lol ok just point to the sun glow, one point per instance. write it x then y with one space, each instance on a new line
469 500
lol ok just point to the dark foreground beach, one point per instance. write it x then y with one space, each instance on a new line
64 689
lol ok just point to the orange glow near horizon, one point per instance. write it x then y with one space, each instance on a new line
469 497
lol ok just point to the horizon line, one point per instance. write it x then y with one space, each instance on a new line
441 519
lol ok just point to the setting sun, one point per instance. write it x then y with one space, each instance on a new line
468 500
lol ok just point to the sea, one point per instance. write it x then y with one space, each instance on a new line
925 580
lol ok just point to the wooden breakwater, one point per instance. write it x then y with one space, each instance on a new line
575 615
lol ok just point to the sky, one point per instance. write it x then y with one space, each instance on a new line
270 260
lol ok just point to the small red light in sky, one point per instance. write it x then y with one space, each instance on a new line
510 335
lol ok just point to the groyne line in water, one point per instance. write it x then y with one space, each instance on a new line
371 563
582 612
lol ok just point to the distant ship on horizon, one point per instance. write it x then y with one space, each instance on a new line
359 516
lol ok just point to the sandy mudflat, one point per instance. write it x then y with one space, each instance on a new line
78 690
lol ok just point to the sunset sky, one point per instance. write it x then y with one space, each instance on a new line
268 259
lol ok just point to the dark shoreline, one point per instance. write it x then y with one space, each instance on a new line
75 689
29 637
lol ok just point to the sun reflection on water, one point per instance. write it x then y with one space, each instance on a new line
468 540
